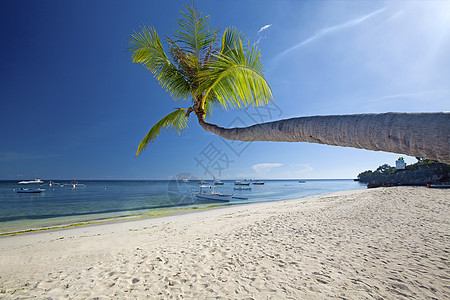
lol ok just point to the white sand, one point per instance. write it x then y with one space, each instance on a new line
375 244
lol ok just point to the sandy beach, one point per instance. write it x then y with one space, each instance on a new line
383 243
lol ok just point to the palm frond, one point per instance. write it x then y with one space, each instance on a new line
210 49
194 32
177 120
230 38
236 79
146 49
209 107
187 64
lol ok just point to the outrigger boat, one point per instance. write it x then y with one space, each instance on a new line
218 182
242 188
74 184
237 182
29 191
258 183
36 181
207 193
438 186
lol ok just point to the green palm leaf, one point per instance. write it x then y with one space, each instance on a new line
187 63
209 106
146 49
230 38
194 32
211 73
177 120
235 79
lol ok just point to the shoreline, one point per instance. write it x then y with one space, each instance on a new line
152 213
147 215
377 243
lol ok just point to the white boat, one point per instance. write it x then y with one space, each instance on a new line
74 184
240 182
439 186
185 180
36 181
28 191
218 182
242 188
207 193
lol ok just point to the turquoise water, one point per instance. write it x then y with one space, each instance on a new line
96 200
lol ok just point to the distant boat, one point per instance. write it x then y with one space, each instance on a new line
218 182
184 180
301 181
258 183
240 182
439 186
207 193
75 184
36 181
242 188
28 191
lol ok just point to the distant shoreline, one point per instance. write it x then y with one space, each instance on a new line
108 201
162 180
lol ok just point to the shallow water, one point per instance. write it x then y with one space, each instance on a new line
63 204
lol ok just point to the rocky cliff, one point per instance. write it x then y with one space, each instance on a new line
421 173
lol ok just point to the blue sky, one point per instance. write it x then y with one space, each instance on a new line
74 106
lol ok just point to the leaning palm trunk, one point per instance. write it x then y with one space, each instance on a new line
415 134
231 75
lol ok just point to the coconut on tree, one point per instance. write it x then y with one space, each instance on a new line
210 70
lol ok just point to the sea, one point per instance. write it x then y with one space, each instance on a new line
92 201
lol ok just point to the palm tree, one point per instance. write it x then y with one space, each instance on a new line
211 72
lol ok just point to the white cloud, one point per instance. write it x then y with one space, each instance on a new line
259 34
416 101
422 95
265 27
331 29
263 169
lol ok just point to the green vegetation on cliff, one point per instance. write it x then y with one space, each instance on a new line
421 173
